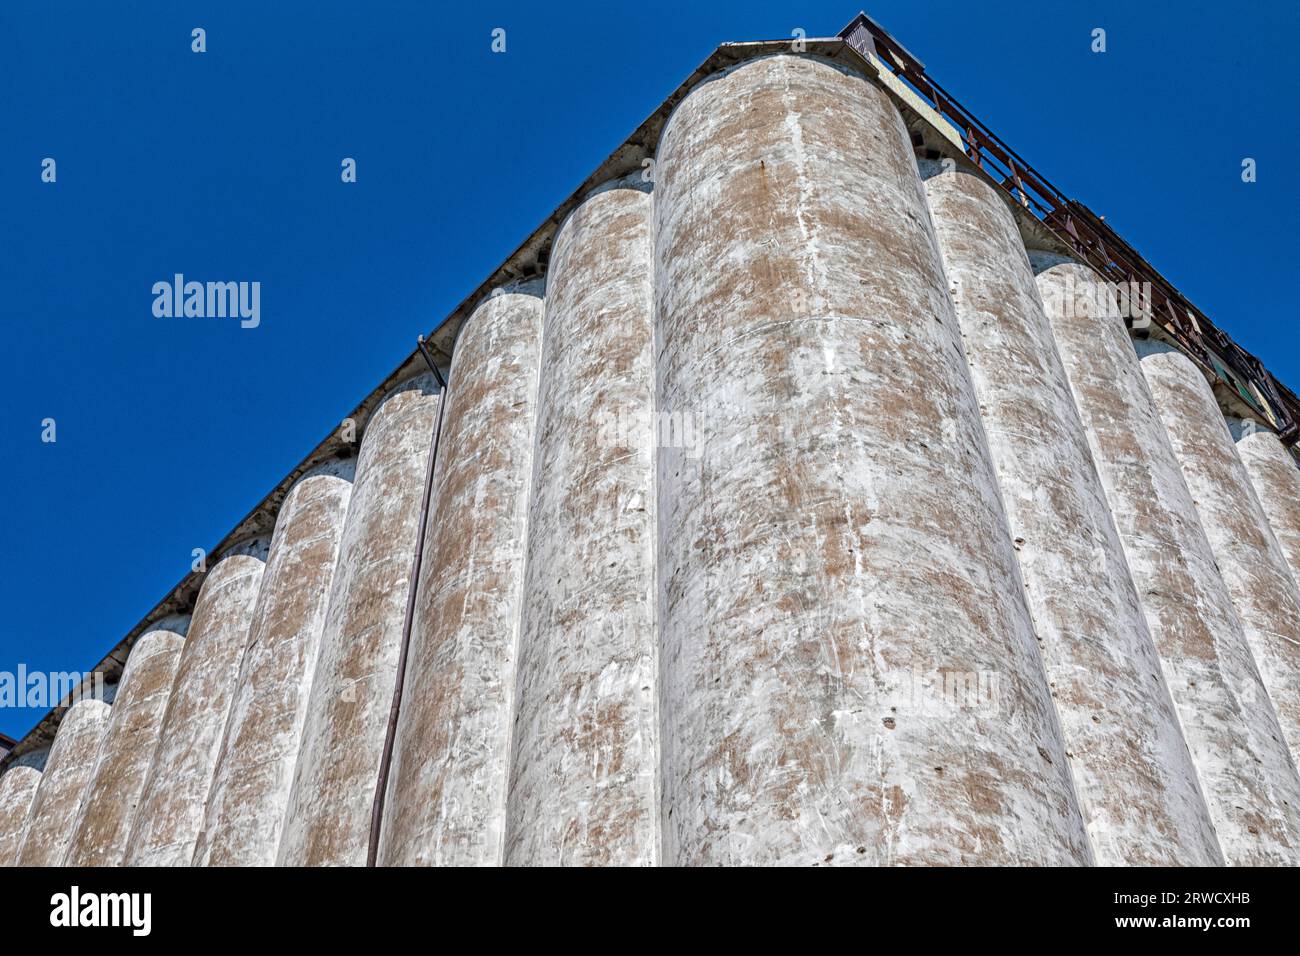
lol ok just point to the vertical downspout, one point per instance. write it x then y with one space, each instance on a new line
386 759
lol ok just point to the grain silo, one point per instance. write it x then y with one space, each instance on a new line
795 494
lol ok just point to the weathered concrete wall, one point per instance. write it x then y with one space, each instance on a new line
447 790
170 817
1276 479
1132 770
328 823
17 789
126 753
1249 557
582 788
250 788
841 548
822 620
55 807
1246 774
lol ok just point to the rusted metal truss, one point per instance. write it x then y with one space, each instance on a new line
1091 239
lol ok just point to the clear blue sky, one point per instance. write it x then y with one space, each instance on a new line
225 165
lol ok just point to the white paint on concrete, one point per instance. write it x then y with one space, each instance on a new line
1276 479
1137 786
63 784
328 821
446 803
584 760
167 825
244 817
1246 773
126 753
17 789
849 671
1248 555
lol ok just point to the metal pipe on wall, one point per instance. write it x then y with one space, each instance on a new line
447 789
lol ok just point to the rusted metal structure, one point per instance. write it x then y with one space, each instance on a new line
1090 238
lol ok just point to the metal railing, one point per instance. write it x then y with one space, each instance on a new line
1089 238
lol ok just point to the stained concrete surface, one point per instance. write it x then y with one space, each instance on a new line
1246 772
585 756
1137 786
847 621
17 789
63 784
122 764
447 791
328 819
1276 479
841 553
170 816
246 804
1249 558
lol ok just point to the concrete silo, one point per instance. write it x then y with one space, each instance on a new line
1135 778
170 817
58 799
796 496
244 814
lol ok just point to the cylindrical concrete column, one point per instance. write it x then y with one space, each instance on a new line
1249 557
17 789
170 817
108 811
582 788
55 807
328 823
1276 478
1246 774
447 788
849 670
1132 770
250 787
